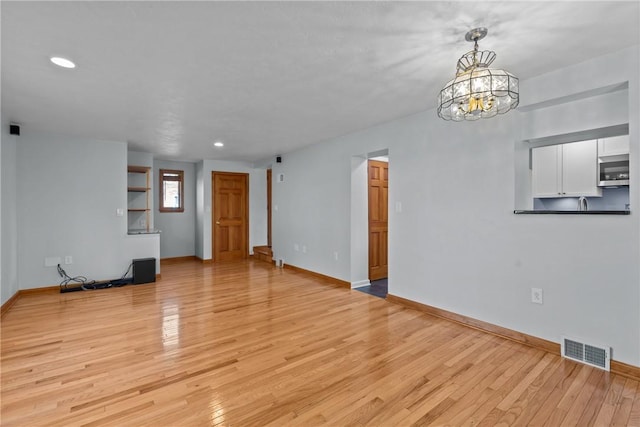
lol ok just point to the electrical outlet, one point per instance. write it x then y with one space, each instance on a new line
119 212
68 259
296 247
304 249
536 295
335 255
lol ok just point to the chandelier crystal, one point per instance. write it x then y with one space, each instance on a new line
477 91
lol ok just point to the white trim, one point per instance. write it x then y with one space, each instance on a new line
360 284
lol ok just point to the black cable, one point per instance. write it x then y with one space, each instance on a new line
66 279
126 272
90 285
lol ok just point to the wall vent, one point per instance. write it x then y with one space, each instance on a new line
588 354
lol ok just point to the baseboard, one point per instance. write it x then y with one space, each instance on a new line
43 290
360 284
625 370
332 280
178 259
618 368
7 305
204 261
11 301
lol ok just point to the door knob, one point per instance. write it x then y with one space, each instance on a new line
217 222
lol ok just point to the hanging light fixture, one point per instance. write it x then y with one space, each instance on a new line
477 91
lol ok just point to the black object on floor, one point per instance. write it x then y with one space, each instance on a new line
377 288
144 270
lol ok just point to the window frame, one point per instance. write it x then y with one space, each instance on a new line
180 179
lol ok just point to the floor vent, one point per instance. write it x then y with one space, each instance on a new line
585 353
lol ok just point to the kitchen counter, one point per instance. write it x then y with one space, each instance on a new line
523 212
143 231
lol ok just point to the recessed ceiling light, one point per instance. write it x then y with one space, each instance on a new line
62 62
218 144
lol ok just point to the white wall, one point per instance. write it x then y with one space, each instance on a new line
200 210
456 244
594 112
257 203
8 215
139 158
3 299
359 251
178 228
312 207
68 190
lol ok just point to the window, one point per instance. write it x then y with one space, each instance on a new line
171 190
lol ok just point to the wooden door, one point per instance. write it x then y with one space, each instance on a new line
378 212
230 215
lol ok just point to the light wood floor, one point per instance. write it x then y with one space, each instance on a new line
245 344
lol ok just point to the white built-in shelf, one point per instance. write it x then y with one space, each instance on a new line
135 187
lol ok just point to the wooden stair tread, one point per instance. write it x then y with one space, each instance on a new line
263 250
263 253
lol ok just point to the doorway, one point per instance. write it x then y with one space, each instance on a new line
230 200
370 254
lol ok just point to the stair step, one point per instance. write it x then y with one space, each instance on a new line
263 250
263 253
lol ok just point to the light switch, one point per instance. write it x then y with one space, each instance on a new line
119 212
398 207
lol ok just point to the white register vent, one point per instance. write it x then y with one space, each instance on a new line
597 356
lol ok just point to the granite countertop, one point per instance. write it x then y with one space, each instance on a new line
594 212
143 231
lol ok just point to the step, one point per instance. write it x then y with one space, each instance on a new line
263 253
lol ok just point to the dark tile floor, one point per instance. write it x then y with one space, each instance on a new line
378 288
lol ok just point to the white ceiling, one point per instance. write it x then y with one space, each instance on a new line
268 77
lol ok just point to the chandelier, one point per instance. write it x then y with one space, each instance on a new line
477 90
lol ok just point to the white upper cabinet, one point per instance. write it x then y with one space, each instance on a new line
613 146
547 171
580 169
566 170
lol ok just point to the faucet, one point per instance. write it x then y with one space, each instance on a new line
582 204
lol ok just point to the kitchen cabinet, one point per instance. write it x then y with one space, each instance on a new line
613 146
566 170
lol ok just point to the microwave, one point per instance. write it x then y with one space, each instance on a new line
613 170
